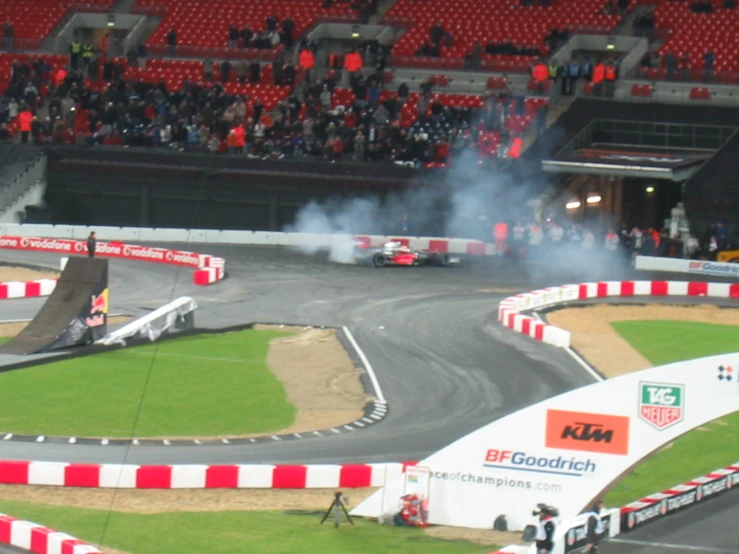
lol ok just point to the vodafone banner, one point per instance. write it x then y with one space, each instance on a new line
566 450
113 250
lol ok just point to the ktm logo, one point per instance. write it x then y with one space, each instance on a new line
588 432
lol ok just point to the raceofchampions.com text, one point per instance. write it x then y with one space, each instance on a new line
497 482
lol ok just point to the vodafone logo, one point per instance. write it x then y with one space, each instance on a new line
8 242
170 255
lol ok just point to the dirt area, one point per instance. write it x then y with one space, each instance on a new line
595 339
12 329
321 380
161 501
8 273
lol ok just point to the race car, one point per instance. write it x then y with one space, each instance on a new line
395 253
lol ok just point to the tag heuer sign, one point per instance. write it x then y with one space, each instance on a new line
661 405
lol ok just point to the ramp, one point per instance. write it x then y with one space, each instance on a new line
75 313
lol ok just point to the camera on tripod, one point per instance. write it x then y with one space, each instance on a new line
544 510
337 508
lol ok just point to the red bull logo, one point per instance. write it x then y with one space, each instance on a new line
98 309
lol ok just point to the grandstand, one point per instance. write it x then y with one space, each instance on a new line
440 80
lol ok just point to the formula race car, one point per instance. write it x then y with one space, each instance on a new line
395 253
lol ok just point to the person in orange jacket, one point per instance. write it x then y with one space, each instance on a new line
353 64
25 120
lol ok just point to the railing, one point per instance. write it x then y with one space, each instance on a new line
692 76
460 64
23 45
650 134
14 187
214 52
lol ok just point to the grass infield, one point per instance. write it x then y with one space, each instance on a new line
200 385
698 452
234 532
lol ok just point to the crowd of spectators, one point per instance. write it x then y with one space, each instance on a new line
97 104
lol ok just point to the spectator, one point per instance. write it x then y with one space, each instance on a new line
255 69
242 71
246 35
403 92
271 23
477 56
9 34
225 71
287 29
713 249
277 70
670 64
708 60
141 54
171 42
436 33
25 120
87 55
307 60
208 70
233 36
75 51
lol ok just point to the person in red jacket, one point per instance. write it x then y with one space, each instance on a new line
353 64
599 75
307 60
25 120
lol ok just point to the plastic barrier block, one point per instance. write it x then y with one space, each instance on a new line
68 546
734 291
20 533
627 288
322 476
154 477
659 288
3 291
82 475
33 289
289 477
6 525
355 476
222 477
14 473
40 540
475 248
441 246
697 289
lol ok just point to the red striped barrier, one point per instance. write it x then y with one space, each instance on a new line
260 476
27 289
511 310
39 539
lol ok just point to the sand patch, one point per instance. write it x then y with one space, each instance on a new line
321 380
10 273
595 339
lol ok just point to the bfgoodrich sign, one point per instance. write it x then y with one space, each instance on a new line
566 450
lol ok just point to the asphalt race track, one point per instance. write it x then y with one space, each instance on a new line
431 334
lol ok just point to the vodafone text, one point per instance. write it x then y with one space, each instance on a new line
498 482
521 461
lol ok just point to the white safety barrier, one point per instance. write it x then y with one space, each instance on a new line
510 310
694 267
263 238
152 325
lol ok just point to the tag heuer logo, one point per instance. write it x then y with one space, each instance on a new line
661 405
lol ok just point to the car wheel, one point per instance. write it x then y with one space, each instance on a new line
444 260
379 260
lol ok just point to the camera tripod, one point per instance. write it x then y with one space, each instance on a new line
337 507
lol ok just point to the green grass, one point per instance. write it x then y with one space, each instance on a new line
201 385
234 532
700 451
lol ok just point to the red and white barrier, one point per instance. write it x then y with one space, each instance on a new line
510 310
678 497
115 250
39 539
256 476
27 289
207 275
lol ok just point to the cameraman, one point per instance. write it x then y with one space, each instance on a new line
596 528
545 532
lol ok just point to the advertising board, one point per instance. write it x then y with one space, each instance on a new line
566 450
694 267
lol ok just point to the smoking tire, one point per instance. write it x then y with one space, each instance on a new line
379 260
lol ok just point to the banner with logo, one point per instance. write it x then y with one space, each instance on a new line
565 451
106 250
680 265
693 494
